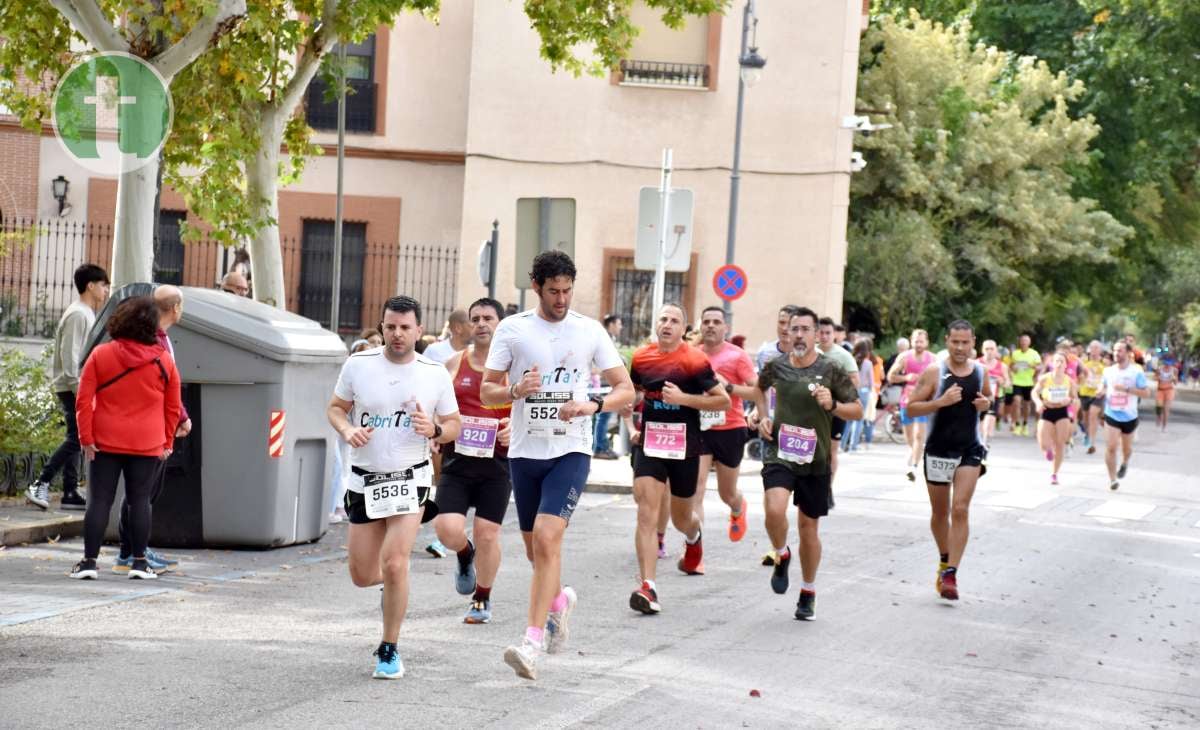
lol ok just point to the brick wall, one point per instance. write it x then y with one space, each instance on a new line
20 151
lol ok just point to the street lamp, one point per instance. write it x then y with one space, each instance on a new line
750 71
59 186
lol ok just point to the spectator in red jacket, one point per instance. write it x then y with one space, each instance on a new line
128 409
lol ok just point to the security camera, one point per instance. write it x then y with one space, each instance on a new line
857 163
863 124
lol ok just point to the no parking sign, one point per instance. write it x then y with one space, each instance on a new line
730 282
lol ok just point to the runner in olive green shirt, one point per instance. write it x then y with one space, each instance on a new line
810 391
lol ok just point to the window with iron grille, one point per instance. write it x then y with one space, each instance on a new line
633 297
321 103
316 273
168 249
667 57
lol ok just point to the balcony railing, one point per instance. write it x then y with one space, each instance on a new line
360 106
658 73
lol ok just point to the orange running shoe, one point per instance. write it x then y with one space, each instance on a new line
737 525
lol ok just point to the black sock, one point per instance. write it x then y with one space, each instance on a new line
945 557
466 554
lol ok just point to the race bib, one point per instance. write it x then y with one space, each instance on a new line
771 403
1118 399
711 419
939 469
1020 366
541 413
665 440
395 493
1058 395
478 437
797 444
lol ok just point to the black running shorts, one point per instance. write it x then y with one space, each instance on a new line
489 496
725 446
679 474
812 493
1054 415
1125 427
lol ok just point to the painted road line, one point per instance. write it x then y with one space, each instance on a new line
1122 509
1020 500
1115 531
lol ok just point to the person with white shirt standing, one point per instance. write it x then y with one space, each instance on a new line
384 405
547 355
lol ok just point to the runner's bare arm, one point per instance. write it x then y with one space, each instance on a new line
622 388
920 402
1036 395
338 414
747 391
495 390
894 376
455 359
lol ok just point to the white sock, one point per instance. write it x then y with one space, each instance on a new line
806 586
692 540
650 583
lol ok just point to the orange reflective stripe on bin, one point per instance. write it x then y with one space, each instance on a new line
275 435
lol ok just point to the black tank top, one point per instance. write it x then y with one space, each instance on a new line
955 429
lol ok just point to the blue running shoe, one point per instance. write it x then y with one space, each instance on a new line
122 566
556 623
160 563
464 575
480 612
388 665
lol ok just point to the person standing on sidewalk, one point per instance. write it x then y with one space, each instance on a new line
169 300
128 411
91 282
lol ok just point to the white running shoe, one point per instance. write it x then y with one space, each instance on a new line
556 623
523 658
38 494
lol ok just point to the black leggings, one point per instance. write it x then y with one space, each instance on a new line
106 470
123 519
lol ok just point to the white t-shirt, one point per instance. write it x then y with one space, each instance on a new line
440 351
564 353
1122 406
385 395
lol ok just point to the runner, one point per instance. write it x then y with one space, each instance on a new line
955 393
723 434
396 392
828 346
475 469
1123 384
1167 375
676 383
999 378
1091 405
810 391
1052 396
1025 362
781 346
548 353
905 371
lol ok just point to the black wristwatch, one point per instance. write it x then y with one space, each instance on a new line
437 431
598 400
729 388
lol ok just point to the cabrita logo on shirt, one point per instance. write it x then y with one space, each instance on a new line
395 419
560 374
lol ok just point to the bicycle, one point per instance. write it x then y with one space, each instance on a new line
887 419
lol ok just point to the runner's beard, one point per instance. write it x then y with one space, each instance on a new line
800 348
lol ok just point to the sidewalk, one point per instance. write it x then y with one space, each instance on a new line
24 523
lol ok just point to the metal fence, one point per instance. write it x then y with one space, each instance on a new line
36 272
659 73
633 298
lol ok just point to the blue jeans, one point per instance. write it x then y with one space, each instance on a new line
855 429
600 432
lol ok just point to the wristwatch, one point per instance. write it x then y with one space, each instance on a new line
598 400
437 431
729 388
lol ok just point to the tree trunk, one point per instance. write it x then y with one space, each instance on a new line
262 175
133 234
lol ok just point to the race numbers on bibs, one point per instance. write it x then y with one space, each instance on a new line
1058 395
541 413
797 444
711 419
940 469
1118 399
478 437
771 402
396 493
665 440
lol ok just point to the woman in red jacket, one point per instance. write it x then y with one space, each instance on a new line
127 409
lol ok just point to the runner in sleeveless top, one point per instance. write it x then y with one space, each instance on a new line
1053 393
723 433
1123 383
997 373
547 354
676 382
475 469
810 390
1025 362
1166 376
905 371
955 393
1091 405
384 405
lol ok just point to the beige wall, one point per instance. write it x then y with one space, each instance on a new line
657 42
531 133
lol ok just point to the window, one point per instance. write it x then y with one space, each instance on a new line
632 297
168 249
360 94
316 273
663 57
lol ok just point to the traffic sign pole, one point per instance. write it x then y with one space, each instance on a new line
660 270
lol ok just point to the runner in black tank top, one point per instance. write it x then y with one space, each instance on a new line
954 394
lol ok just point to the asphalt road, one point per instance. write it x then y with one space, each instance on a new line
1080 609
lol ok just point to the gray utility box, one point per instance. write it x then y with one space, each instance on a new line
240 361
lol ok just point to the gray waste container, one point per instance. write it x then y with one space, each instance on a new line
239 362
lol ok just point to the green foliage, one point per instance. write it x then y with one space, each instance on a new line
966 207
30 415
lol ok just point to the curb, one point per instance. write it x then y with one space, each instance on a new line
608 488
16 533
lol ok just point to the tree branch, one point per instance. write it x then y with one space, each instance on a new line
310 61
173 60
89 20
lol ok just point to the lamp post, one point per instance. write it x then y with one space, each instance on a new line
750 65
59 187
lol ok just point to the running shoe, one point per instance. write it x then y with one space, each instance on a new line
938 584
1121 471
912 477
768 558
1091 449
480 612
122 566
141 570
949 589
692 561
388 665
38 494
556 623
737 525
1054 480
806 606
523 659
161 563
645 599
464 576
84 570
1114 485
436 549
662 549
779 576
73 500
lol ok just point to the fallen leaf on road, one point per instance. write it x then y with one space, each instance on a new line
53 540
973 655
755 693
